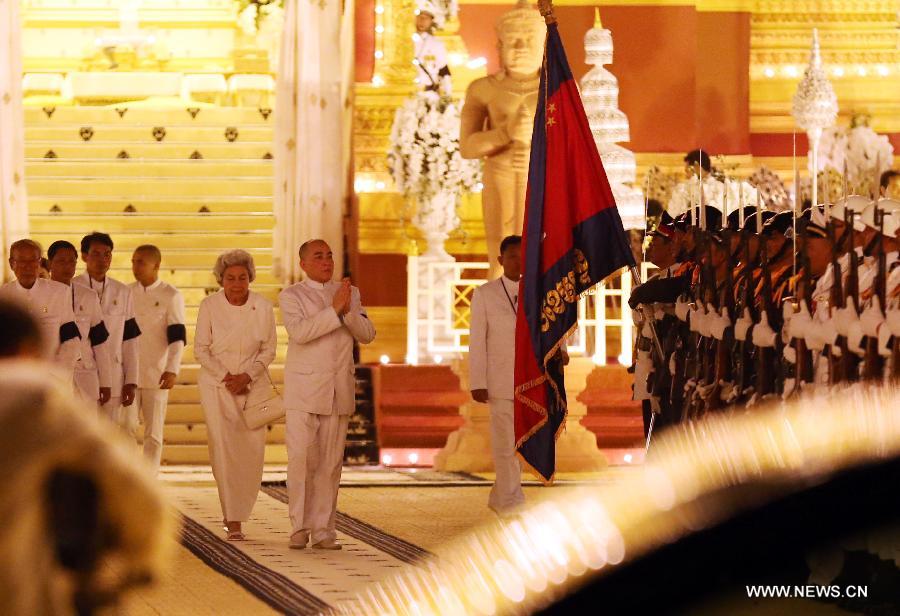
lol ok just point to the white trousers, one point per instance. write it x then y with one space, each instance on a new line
87 385
126 417
236 452
507 490
315 446
151 405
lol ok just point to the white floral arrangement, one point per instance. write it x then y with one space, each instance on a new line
255 16
866 153
718 192
424 157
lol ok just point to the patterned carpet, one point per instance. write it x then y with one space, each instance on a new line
290 581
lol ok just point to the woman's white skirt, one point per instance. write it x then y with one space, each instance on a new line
235 451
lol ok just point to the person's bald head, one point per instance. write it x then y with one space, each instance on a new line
317 260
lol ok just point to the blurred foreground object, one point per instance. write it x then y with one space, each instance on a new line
802 494
82 522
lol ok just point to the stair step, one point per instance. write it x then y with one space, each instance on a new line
162 204
206 116
190 372
147 133
199 454
196 434
169 150
186 240
40 167
152 223
137 187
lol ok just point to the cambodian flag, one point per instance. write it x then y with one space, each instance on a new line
573 239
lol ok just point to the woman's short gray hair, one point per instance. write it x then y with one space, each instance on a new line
232 258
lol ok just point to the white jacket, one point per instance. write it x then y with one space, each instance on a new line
50 305
159 310
234 339
492 338
94 356
118 313
318 372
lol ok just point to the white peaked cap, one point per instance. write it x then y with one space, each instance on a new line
891 209
855 203
434 9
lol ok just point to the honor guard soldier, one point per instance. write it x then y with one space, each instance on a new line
47 302
159 310
117 306
433 74
93 372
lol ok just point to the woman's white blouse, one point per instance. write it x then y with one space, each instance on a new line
235 339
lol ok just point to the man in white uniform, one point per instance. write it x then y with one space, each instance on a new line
159 310
93 371
433 74
322 318
492 344
118 313
47 302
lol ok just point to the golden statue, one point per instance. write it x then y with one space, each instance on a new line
497 120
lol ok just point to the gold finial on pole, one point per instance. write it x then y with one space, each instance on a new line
597 23
546 9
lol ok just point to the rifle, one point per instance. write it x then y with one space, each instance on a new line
849 360
804 365
874 369
693 368
745 348
765 381
836 301
722 369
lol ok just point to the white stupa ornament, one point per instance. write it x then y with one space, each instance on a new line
609 125
815 107
815 103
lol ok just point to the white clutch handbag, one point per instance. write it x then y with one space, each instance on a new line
263 404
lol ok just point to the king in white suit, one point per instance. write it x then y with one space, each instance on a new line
492 354
322 318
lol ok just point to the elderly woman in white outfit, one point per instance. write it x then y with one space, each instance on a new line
234 343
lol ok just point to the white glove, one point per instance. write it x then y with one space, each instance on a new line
800 323
743 324
763 335
855 336
697 315
704 328
719 324
646 330
789 353
844 318
682 307
643 366
789 384
872 318
728 392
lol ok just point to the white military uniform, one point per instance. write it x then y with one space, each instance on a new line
159 310
94 367
492 343
49 304
431 63
319 397
233 340
117 306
